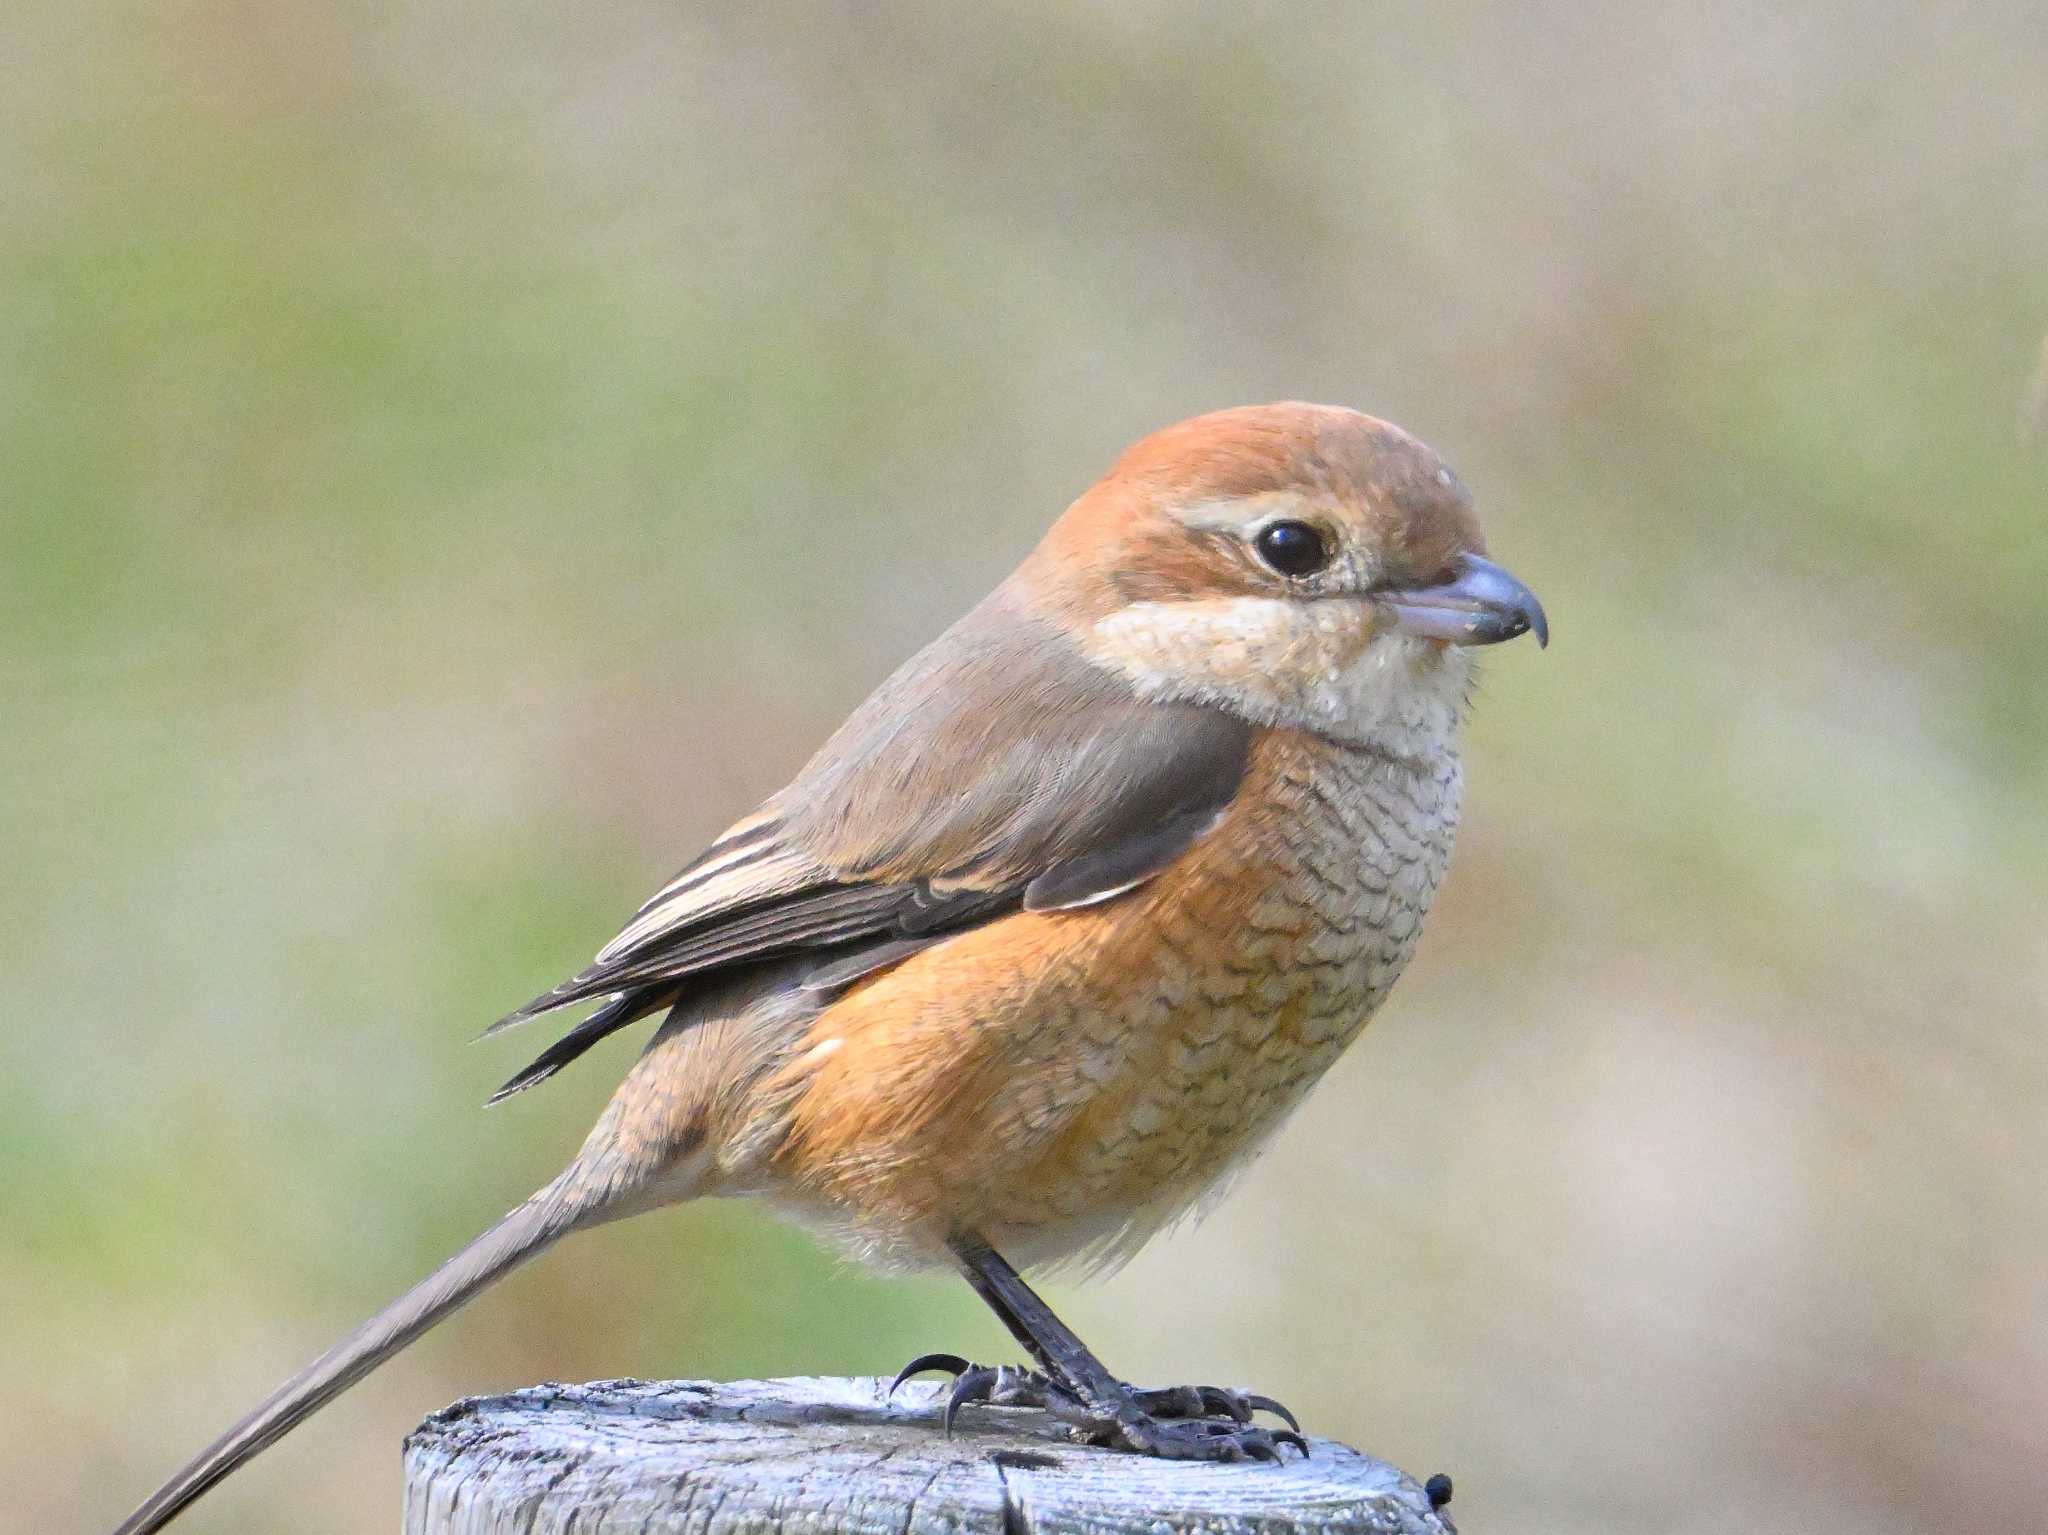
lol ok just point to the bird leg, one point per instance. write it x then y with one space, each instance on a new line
1174 1422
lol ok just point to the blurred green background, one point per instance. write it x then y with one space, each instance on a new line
455 458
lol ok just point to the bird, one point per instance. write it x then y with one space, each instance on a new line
1052 934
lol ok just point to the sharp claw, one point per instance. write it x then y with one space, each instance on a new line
1267 1404
1290 1436
952 1364
974 1384
1233 1406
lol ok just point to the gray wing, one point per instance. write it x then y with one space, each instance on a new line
997 771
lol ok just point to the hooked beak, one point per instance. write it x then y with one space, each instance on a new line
1480 605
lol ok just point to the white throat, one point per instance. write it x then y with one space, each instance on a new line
1316 666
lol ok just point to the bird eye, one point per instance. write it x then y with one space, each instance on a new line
1292 548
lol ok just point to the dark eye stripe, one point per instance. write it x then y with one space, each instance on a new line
1292 548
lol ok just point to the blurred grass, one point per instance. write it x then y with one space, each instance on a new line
451 461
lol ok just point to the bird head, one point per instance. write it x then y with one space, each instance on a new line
1298 565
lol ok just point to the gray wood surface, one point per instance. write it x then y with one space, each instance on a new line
809 1456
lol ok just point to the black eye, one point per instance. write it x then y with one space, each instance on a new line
1292 548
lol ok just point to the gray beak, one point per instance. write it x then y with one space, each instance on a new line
1480 605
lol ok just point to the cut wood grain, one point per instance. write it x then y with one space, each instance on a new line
807 1456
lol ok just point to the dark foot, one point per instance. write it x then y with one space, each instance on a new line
1186 1438
1208 1402
1172 1422
993 1385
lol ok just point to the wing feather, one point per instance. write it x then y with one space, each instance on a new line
997 771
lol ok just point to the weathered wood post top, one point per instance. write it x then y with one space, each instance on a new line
817 1455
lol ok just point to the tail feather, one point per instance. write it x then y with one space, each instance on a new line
526 1231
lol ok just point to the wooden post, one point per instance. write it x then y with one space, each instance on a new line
812 1456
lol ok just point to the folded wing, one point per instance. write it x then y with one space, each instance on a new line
996 771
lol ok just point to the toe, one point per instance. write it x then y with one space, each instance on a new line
973 1385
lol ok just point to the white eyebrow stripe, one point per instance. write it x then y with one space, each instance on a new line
1238 514
1214 516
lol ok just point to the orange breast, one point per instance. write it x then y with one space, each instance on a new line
1066 1081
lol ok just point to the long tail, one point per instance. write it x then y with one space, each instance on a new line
526 1231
